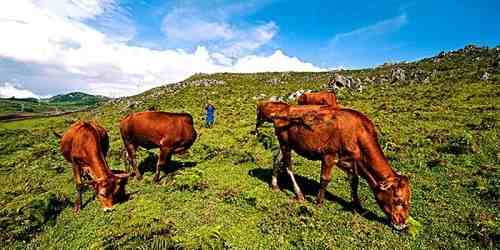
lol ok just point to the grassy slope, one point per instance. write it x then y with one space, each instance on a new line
443 135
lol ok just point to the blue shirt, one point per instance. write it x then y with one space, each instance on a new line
210 110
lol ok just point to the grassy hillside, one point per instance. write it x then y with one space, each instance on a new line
438 123
60 103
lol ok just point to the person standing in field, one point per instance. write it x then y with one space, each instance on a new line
209 114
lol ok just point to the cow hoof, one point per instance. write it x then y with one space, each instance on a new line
77 210
299 198
356 207
156 179
138 177
275 188
319 203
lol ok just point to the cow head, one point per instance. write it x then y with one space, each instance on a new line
268 111
260 118
110 190
393 195
121 178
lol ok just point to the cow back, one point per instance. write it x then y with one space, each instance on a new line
318 98
154 129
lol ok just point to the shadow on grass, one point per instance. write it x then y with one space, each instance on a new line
311 187
149 164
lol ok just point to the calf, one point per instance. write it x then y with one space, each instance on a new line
173 133
325 133
318 98
85 146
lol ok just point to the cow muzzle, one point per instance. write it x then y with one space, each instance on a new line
399 226
107 209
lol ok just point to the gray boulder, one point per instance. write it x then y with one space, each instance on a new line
398 74
485 76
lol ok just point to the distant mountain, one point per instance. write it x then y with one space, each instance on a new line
60 103
78 97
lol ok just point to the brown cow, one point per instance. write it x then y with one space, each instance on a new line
85 146
323 133
173 133
318 98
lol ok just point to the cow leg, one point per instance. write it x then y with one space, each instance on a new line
163 159
287 164
354 181
277 168
327 164
356 161
78 184
131 148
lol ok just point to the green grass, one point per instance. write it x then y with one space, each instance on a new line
444 135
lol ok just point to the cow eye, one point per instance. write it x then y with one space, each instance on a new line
399 202
103 191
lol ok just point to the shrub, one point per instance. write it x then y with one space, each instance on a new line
23 222
190 180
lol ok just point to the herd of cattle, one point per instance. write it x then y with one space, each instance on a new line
317 129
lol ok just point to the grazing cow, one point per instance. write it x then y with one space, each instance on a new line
85 146
325 133
173 133
318 98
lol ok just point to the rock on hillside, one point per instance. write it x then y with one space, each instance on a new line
478 63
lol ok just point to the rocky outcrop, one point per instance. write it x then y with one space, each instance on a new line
441 56
206 82
398 74
338 81
274 81
470 48
485 76
294 95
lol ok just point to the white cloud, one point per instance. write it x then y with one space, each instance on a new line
378 28
275 62
79 9
8 90
211 26
252 40
65 49
366 46
187 24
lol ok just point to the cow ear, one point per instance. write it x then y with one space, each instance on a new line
94 184
388 183
384 185
280 122
122 178
403 179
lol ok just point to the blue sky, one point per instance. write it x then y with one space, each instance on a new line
407 30
118 48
